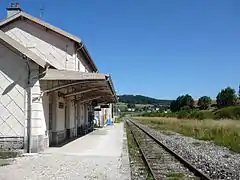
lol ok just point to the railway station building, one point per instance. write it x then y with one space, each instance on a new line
49 84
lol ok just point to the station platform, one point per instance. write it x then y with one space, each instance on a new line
101 154
106 141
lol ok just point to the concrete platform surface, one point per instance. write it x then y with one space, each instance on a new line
101 154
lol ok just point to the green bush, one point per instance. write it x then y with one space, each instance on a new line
200 116
232 112
183 114
203 114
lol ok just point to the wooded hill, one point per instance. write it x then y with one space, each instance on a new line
139 99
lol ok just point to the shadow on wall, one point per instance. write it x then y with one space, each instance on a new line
14 70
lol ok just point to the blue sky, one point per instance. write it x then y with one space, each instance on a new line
156 48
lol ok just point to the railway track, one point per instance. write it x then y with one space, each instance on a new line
161 161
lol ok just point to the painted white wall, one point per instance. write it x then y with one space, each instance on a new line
45 104
38 119
13 96
54 48
82 65
60 115
71 118
13 80
82 114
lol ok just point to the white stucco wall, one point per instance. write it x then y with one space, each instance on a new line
60 115
81 112
82 65
13 79
54 48
13 96
71 115
38 119
45 104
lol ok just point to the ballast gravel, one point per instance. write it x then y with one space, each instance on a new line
215 161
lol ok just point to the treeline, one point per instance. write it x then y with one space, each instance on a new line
226 106
139 99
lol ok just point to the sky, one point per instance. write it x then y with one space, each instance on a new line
157 48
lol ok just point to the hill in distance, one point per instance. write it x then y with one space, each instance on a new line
139 99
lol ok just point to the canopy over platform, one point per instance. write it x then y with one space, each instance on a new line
85 86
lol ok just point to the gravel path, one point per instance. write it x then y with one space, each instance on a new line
100 155
218 162
62 167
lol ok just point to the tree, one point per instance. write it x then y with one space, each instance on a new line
187 101
226 97
174 106
239 91
131 106
204 102
182 102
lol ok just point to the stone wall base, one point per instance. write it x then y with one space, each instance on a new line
11 143
58 137
71 133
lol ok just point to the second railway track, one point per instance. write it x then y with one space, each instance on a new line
160 160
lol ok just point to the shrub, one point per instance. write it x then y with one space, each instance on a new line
200 116
232 112
183 114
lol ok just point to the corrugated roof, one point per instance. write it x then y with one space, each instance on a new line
17 47
51 27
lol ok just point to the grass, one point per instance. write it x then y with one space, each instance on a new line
221 132
175 176
118 120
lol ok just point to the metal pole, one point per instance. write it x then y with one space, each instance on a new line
29 109
29 115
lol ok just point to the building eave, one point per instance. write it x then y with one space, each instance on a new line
15 46
57 30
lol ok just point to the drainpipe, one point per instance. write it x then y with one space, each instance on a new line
29 109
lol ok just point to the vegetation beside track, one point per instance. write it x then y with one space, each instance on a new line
135 158
232 112
222 132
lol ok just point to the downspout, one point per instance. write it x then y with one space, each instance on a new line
29 109
81 46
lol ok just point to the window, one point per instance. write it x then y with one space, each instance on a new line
60 105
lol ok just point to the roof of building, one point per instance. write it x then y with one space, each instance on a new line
83 77
20 49
55 74
57 30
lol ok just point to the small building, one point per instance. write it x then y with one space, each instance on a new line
49 84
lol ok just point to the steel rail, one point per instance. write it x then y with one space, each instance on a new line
142 153
187 164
